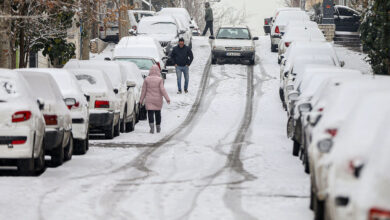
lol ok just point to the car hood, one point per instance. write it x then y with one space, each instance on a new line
233 43
162 37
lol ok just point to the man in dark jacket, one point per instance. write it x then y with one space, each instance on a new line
182 57
209 19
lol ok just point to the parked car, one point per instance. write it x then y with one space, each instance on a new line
267 25
104 106
307 31
279 25
109 32
135 17
58 141
346 19
118 79
22 126
182 13
140 46
134 82
144 63
195 30
77 104
350 152
233 43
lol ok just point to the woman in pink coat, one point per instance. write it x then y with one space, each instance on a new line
153 92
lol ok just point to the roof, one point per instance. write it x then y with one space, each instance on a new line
136 40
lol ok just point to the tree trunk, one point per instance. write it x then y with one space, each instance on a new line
122 20
87 26
5 39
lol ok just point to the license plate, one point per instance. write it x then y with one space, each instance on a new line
233 54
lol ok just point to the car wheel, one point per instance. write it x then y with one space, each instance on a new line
80 146
213 61
279 60
25 166
306 162
109 133
274 48
39 162
281 94
131 125
252 61
117 129
68 151
296 148
290 127
311 206
57 156
318 209
123 122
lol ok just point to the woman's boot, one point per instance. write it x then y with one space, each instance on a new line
151 128
158 128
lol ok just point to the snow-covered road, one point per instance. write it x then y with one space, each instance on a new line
223 154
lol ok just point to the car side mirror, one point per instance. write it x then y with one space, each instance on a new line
212 38
116 91
41 104
107 59
285 74
70 102
165 59
182 32
87 97
305 107
164 73
342 63
192 26
133 32
256 38
130 84
293 96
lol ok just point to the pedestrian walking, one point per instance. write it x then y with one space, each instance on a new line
182 57
209 17
153 91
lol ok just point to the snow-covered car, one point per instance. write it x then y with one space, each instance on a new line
195 30
371 198
279 25
58 141
104 106
135 16
351 150
233 43
165 29
144 63
180 13
307 31
118 80
22 126
134 82
140 46
77 104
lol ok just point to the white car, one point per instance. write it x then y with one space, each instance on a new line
58 139
351 151
135 16
181 13
22 126
104 106
144 63
233 43
140 46
305 32
280 23
118 79
77 104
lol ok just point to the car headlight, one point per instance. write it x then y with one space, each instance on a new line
218 48
248 49
325 145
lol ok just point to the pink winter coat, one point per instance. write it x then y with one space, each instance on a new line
153 90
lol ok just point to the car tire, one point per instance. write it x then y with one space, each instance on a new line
68 151
274 48
25 166
306 162
279 60
109 133
252 61
39 162
213 61
57 156
131 125
318 207
117 129
296 148
80 146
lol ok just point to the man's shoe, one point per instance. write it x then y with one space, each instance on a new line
186 91
179 92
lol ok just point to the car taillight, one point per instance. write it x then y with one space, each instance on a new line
266 22
21 116
51 119
332 132
101 28
287 44
76 105
320 109
17 142
378 214
102 104
158 64
277 30
134 28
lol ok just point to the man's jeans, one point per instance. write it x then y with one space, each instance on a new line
179 71
209 25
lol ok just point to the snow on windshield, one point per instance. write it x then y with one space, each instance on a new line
157 28
43 87
8 88
89 82
233 33
143 64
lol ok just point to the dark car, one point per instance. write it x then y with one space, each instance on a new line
267 25
346 19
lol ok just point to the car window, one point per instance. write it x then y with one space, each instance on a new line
157 28
345 12
142 63
41 87
8 88
233 33
137 18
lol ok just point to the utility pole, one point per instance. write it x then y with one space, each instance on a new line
5 32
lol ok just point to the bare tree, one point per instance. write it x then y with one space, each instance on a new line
5 31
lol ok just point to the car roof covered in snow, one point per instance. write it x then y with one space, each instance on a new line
13 85
286 16
136 40
234 26
133 73
305 48
159 18
303 33
175 11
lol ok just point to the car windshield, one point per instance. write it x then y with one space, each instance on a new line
157 28
90 82
233 33
142 63
139 16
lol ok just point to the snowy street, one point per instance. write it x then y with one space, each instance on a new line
223 154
